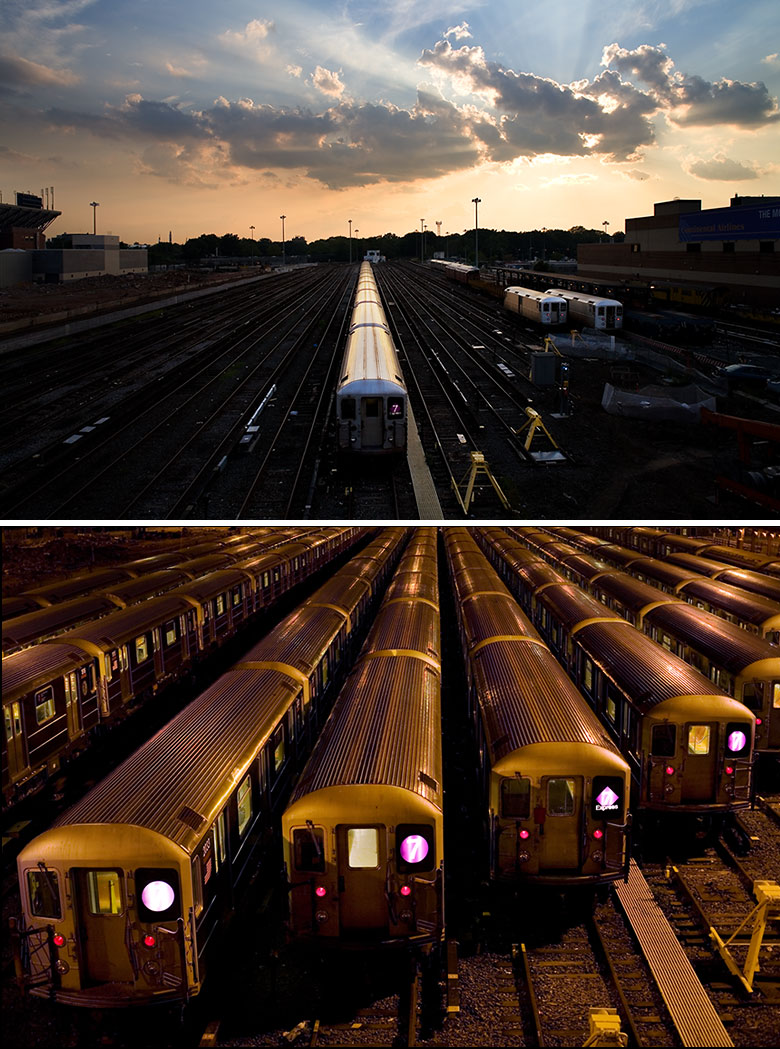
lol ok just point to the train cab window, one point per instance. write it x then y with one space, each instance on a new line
395 408
44 704
776 695
362 848
560 797
104 892
309 849
44 892
516 798
141 648
664 740
753 695
699 739
244 804
347 407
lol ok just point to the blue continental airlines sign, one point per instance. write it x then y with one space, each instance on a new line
752 222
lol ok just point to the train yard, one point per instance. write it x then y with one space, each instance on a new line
225 408
525 936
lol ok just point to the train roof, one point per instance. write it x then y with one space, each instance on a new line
44 622
62 589
176 783
726 644
534 293
370 357
32 667
648 673
751 608
581 296
118 627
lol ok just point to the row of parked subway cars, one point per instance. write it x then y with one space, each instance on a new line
371 399
689 744
124 898
73 668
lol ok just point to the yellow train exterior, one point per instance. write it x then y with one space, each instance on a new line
124 897
363 834
555 785
371 398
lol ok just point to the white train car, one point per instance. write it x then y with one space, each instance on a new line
537 306
591 311
371 398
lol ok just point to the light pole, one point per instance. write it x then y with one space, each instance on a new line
350 241
605 223
422 225
476 202
358 242
252 228
283 217
94 205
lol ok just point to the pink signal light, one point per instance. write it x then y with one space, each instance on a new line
414 849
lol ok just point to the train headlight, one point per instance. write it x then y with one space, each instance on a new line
596 855
62 967
523 857
58 939
406 916
322 916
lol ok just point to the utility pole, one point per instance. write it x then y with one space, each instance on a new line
94 205
476 202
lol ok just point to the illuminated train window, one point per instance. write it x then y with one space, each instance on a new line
362 847
104 891
244 804
699 739
516 798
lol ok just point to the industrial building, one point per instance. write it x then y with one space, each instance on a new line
729 255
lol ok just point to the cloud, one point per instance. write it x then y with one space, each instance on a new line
722 169
327 82
18 72
295 71
691 100
771 60
460 32
251 40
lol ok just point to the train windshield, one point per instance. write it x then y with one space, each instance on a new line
516 798
347 407
43 890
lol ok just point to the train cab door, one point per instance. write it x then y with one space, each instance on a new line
372 422
14 736
560 826
701 755
773 713
102 926
362 866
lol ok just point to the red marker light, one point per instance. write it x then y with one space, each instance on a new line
598 833
149 940
525 834
759 721
670 770
320 891
406 890
729 770
58 939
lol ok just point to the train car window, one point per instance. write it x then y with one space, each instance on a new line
197 885
104 892
362 848
516 798
753 695
610 708
699 739
244 804
157 894
347 407
607 797
44 892
395 408
220 603
737 738
309 849
416 847
170 632
220 837
261 775
664 740
141 648
278 748
266 579
44 704
291 724
587 674
560 797
236 595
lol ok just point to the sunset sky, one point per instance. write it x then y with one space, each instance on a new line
201 117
